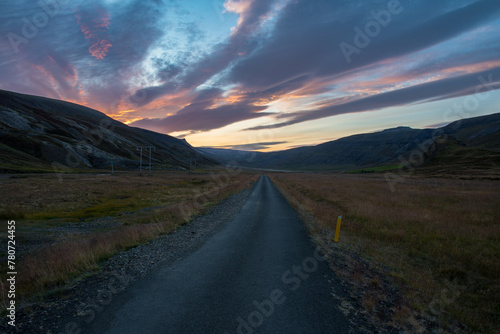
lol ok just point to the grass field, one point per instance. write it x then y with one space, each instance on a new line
432 238
440 242
66 228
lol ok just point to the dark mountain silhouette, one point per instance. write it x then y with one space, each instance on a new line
479 137
38 133
41 134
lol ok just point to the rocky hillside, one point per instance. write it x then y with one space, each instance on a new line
41 134
479 137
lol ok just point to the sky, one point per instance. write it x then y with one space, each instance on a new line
258 74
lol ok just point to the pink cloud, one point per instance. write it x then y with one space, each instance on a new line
94 26
100 49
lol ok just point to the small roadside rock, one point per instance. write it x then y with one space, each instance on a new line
64 310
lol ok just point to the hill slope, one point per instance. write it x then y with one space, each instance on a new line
469 147
479 137
38 133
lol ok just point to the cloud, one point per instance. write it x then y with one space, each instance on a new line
441 89
192 30
252 146
104 44
312 48
118 56
240 42
94 25
202 115
194 119
303 48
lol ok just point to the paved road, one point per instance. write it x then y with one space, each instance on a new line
259 274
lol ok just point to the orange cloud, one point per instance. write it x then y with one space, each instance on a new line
126 112
100 49
93 28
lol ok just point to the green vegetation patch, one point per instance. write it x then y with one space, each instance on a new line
104 207
376 169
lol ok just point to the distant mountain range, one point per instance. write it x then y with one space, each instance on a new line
476 138
41 134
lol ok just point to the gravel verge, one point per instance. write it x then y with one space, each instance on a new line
367 292
67 309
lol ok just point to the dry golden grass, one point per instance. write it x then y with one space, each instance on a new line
170 199
442 243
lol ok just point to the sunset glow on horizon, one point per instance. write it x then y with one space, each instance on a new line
258 74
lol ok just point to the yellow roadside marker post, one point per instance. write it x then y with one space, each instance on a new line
337 231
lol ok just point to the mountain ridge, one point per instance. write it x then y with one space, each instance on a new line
387 147
38 133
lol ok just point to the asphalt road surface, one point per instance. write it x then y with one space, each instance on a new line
260 273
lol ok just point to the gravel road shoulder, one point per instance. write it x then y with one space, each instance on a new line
367 292
63 311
